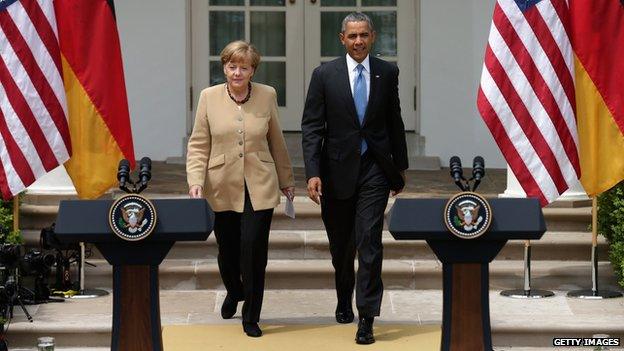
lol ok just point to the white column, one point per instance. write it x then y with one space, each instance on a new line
56 182
575 192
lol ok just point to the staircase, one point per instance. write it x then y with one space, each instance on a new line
300 268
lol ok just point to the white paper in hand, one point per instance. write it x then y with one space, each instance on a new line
289 209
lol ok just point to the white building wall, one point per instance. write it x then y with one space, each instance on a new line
453 35
153 43
452 45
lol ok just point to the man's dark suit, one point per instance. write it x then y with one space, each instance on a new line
355 188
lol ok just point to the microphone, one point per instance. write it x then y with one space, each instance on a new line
145 170
123 173
478 171
457 173
478 168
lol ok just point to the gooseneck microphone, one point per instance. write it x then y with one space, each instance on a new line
478 171
457 173
145 173
145 170
123 173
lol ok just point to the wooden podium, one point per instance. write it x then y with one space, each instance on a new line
466 310
136 307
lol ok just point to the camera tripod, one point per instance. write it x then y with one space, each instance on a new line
11 295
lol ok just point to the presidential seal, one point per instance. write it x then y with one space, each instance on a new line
132 217
467 215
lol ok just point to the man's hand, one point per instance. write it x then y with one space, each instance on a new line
196 192
397 192
314 189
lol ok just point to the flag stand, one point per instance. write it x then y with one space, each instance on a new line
594 293
85 293
527 292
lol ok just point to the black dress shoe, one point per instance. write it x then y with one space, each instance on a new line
344 316
252 329
229 307
364 333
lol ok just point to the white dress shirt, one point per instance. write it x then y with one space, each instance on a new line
353 72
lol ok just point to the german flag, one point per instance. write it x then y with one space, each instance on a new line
597 32
99 121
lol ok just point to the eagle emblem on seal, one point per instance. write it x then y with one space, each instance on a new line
468 215
133 218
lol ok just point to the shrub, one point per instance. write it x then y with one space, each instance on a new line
611 226
7 234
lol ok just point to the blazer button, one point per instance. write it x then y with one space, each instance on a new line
240 119
240 155
240 142
240 131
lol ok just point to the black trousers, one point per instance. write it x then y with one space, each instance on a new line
243 240
354 224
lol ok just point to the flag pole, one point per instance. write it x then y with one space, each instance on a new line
594 293
16 213
527 292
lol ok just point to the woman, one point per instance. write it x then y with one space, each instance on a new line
237 159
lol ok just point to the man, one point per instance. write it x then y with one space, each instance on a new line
355 154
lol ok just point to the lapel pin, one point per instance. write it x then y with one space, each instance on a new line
376 75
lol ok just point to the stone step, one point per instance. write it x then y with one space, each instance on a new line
397 274
309 217
313 244
516 324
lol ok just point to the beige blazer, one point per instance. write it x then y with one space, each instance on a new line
230 146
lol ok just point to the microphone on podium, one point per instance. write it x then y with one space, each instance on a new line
457 172
123 174
478 171
145 172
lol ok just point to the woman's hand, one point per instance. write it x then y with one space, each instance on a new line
196 192
289 192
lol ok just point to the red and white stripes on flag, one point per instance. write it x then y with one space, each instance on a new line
526 96
34 135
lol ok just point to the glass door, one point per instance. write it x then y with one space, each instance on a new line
272 26
294 37
394 22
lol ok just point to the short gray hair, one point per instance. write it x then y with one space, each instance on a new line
357 17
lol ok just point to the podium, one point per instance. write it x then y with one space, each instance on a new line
136 306
466 311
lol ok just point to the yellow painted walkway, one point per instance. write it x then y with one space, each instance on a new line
299 338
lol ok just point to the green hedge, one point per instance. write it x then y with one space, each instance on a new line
8 235
611 226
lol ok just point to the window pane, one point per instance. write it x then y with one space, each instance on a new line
268 32
225 27
328 3
330 27
378 2
273 74
386 29
227 2
268 2
216 73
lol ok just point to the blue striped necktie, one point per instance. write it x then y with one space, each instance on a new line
361 100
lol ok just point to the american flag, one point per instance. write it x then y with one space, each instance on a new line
526 96
34 135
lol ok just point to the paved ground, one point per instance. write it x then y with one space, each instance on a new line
557 316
